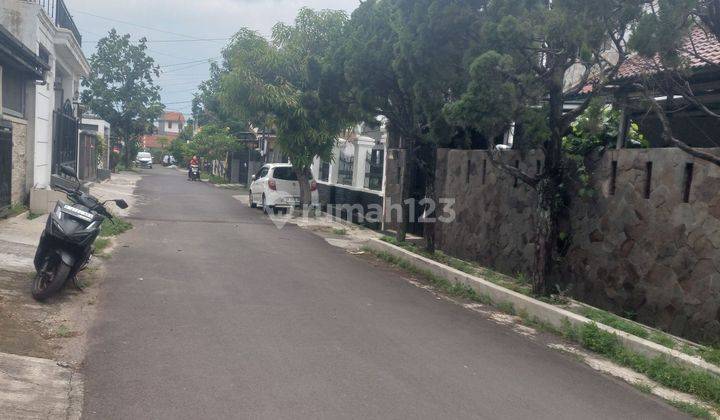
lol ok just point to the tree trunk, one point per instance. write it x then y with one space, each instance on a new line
127 153
304 176
549 190
546 231
407 178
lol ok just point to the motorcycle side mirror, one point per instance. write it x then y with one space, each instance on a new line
121 203
68 170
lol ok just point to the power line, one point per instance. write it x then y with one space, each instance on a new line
205 60
187 40
136 25
186 67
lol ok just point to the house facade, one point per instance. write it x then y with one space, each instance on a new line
355 175
20 68
50 112
170 124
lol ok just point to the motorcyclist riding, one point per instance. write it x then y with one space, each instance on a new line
194 161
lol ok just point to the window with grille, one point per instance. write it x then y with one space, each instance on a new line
374 168
345 169
324 171
13 93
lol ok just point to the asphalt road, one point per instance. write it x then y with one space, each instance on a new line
211 312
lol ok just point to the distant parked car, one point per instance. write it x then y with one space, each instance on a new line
144 160
276 186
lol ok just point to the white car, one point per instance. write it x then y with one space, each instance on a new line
276 186
144 160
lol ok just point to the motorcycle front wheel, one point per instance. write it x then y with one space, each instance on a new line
49 280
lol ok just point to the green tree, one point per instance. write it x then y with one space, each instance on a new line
435 41
535 56
281 84
367 59
180 150
213 143
121 89
667 37
405 60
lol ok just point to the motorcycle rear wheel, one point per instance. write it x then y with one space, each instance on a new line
49 280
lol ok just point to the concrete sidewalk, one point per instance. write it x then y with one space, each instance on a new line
19 235
40 387
32 388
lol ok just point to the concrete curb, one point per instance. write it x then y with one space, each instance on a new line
557 317
39 388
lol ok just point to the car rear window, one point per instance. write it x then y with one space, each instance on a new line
144 155
285 173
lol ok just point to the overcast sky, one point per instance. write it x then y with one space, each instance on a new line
173 20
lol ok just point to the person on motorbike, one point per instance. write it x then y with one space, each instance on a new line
194 161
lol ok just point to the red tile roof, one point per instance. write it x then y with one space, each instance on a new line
700 48
152 141
172 116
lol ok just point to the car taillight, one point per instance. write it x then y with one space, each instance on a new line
313 186
272 185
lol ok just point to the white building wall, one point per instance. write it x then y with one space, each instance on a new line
29 23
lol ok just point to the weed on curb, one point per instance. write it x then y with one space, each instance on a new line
701 384
114 227
694 410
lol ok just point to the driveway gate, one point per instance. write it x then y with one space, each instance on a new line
65 138
5 165
88 161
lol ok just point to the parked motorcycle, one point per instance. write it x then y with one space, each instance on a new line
194 173
66 243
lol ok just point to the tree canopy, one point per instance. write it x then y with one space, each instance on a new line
280 84
121 88
534 57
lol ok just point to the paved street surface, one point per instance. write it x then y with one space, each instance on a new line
212 312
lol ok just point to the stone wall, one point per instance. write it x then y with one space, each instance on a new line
19 192
637 247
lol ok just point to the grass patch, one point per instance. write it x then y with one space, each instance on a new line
213 179
519 285
710 354
456 289
694 410
662 339
33 216
12 211
643 387
340 232
101 244
614 321
64 331
122 168
701 384
84 283
506 307
115 227
218 179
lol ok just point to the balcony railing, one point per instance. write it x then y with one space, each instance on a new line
58 13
